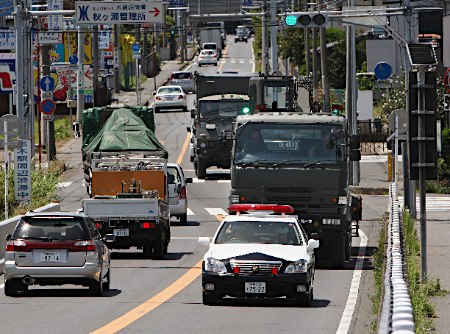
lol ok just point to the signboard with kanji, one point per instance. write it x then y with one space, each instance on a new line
7 39
22 172
55 22
118 12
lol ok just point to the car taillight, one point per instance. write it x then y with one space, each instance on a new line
17 246
180 97
171 77
98 225
146 225
158 98
183 192
83 246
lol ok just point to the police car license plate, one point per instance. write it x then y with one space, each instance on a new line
255 287
121 232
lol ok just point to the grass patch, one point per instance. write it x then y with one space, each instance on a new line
63 129
379 265
420 291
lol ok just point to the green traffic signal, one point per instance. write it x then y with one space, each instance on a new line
246 110
290 20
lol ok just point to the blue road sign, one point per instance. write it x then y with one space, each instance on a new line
175 3
73 59
247 3
48 106
47 83
135 47
383 70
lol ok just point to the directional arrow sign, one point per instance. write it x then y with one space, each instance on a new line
47 83
155 12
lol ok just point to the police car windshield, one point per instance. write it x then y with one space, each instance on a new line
261 232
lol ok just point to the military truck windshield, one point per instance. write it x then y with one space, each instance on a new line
222 109
285 144
276 91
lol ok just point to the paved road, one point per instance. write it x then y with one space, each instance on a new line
165 307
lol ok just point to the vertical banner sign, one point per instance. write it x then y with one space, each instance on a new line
22 172
55 22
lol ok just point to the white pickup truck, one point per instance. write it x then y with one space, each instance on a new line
130 200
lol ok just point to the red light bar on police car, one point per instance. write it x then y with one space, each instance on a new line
261 207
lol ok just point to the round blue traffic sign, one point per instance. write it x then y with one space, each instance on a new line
136 47
73 59
383 70
47 83
48 106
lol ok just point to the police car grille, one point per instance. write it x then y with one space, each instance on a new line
255 267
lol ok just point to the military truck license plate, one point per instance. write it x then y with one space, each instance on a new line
255 287
121 232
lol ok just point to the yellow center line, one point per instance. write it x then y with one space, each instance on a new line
184 148
157 300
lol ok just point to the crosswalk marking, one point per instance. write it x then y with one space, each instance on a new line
190 213
216 211
196 180
433 203
223 181
64 184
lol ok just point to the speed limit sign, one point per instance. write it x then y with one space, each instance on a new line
447 80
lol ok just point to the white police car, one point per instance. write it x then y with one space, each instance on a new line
257 253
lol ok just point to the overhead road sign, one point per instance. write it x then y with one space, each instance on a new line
118 12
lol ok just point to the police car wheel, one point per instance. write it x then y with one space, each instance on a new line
209 300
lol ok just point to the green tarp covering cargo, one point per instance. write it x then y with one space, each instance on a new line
125 130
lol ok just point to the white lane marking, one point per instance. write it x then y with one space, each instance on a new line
223 181
2 286
433 203
346 319
2 261
233 61
183 238
216 211
196 180
64 184
241 61
189 212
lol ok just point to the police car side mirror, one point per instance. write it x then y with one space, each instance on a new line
204 241
312 243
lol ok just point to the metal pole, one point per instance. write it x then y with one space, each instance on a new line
315 66
396 149
20 73
264 40
273 35
6 155
95 65
356 171
116 59
80 80
324 69
422 186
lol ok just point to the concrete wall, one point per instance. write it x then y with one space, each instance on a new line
7 227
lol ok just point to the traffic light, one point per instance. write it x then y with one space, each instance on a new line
245 110
305 20
337 109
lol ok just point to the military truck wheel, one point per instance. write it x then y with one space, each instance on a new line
185 109
338 253
200 169
348 248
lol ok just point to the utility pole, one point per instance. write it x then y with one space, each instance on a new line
324 70
80 80
273 35
116 28
95 65
315 66
265 40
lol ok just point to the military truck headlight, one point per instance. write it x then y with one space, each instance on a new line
214 265
202 145
331 221
297 267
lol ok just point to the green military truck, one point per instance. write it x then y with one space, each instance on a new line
220 98
283 156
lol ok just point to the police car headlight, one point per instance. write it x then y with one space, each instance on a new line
214 265
202 145
297 267
331 221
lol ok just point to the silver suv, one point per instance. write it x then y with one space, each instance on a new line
56 248
177 183
184 79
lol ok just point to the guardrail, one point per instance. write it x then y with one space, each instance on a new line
396 310
7 227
